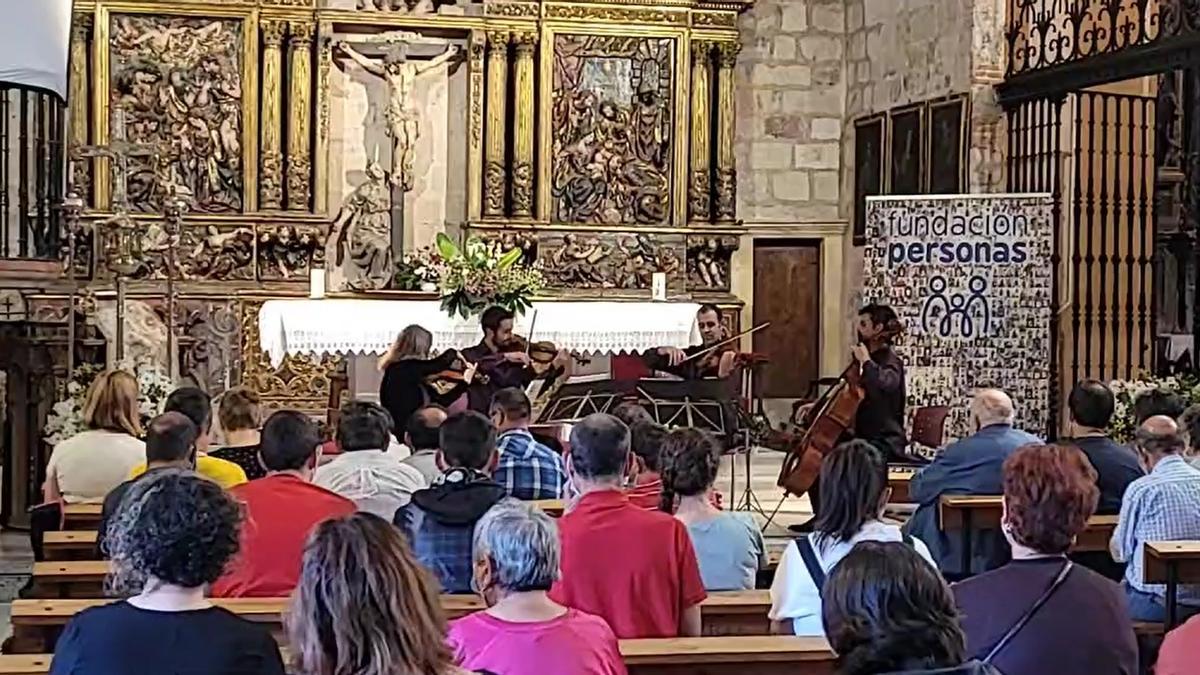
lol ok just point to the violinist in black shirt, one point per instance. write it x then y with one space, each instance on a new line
411 379
718 363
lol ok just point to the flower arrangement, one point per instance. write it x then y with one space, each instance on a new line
66 417
480 275
419 270
1123 424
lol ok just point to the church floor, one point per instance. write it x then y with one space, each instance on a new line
16 559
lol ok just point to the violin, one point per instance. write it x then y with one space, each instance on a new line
828 420
460 373
542 355
709 363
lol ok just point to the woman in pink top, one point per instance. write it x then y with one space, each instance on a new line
523 632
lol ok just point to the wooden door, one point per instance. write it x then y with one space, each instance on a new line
787 287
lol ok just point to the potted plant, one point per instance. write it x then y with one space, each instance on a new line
479 275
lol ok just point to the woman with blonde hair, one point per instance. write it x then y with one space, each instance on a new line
365 606
84 467
406 366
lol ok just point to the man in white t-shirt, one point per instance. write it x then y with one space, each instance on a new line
376 480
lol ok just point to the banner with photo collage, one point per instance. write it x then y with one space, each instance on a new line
971 279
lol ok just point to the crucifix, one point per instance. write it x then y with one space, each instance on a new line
123 241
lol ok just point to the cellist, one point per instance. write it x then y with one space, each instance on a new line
880 416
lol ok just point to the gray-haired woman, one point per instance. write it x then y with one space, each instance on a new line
516 563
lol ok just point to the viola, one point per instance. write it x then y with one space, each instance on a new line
460 373
542 355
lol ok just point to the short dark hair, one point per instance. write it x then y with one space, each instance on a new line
881 315
631 412
1158 401
175 526
599 446
363 425
646 441
494 316
194 403
170 437
853 477
886 609
1091 404
1189 422
513 402
422 433
690 460
709 307
289 441
467 439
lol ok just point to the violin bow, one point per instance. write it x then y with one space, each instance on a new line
708 350
529 338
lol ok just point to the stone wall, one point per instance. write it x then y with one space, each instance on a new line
791 109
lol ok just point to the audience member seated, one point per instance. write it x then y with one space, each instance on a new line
970 466
422 436
365 606
1160 401
631 412
851 512
281 510
1071 619
198 407
1189 424
729 546
1180 652
1163 505
888 611
170 444
645 440
516 562
526 468
174 535
240 415
440 520
1091 407
652 588
88 465
365 472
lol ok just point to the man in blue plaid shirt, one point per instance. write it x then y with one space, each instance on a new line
527 469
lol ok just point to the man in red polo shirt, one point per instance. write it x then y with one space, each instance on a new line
281 510
633 567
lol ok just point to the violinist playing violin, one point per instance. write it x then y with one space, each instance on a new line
503 359
719 363
411 379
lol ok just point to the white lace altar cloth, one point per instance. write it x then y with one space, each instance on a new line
345 327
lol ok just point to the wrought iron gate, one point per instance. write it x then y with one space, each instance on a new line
32 127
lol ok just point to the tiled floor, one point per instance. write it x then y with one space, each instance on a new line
16 559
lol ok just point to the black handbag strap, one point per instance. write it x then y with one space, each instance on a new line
809 555
1033 609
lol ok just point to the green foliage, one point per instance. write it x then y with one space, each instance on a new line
480 275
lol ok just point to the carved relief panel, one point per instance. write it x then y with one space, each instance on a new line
708 261
621 261
613 141
179 81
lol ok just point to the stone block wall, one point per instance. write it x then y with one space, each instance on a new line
791 111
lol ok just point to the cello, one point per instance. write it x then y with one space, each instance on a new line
830 417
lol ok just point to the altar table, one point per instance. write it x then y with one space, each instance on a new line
344 327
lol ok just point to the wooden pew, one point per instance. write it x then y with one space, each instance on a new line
1171 563
898 479
36 623
971 512
742 655
553 507
81 516
70 545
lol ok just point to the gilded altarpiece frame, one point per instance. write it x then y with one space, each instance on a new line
599 84
177 108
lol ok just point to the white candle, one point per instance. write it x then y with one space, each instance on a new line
658 286
316 283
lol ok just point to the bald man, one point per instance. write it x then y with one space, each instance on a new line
421 435
1163 505
970 466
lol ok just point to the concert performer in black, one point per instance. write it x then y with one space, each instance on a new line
717 363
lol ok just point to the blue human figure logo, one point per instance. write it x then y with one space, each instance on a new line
963 315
